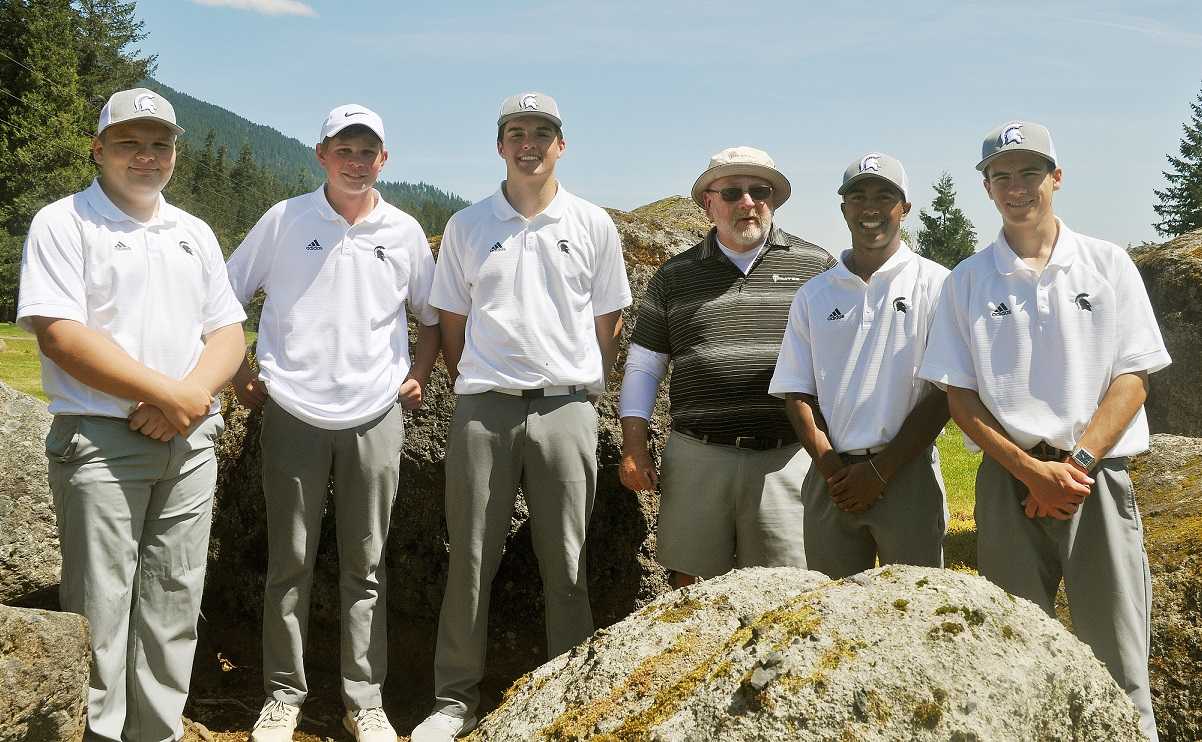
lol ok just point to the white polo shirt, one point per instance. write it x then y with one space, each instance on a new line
1041 348
333 344
857 346
154 288
530 289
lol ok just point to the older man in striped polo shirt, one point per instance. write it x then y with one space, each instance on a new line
730 490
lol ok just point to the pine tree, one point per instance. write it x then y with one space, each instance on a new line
1180 207
946 236
104 32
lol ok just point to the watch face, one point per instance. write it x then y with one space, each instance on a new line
1084 458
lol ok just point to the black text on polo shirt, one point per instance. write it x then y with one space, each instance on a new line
496 247
120 246
835 315
1082 302
314 245
900 304
1001 310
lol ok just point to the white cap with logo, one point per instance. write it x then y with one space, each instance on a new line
352 114
529 104
135 105
1023 136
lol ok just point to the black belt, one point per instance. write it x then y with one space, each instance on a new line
1045 452
751 442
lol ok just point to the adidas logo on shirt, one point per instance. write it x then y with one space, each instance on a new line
120 246
835 315
1001 310
496 247
314 245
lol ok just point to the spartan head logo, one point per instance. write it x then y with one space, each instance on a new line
871 162
900 305
183 245
564 246
1082 302
144 103
379 252
1011 134
529 102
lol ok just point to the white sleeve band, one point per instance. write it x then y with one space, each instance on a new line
644 369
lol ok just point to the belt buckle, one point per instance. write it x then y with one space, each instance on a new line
739 441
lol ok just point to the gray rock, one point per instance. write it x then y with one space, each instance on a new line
29 558
44 661
1172 271
1168 486
898 653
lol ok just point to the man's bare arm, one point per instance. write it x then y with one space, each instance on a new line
810 426
429 339
1056 489
453 333
98 362
1120 404
919 431
609 328
636 470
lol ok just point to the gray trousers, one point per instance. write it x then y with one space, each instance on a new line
1100 554
297 461
905 526
133 517
497 441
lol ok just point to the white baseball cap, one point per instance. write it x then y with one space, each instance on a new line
742 161
134 105
352 114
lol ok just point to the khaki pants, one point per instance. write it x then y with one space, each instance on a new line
133 518
905 526
723 507
298 459
497 441
1100 554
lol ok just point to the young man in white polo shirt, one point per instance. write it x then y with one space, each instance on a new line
138 331
855 339
530 287
338 266
1044 341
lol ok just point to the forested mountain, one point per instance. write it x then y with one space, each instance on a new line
287 160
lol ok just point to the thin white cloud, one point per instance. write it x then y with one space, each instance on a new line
266 7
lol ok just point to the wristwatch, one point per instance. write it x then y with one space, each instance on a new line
1083 458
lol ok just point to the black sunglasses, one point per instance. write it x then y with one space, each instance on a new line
731 194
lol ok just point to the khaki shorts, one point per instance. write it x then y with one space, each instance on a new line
723 507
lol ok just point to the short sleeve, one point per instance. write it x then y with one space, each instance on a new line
1139 345
948 358
449 290
651 327
421 279
794 372
249 265
52 272
611 288
221 308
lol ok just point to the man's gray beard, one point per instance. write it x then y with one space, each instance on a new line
752 234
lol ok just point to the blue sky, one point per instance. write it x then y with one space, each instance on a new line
648 90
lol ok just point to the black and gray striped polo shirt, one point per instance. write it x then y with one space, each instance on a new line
723 331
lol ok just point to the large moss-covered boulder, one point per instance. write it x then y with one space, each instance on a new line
29 558
898 653
1168 485
1172 272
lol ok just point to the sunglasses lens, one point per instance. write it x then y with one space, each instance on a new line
757 193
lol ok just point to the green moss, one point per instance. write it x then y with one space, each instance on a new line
973 616
901 604
928 713
922 583
1007 632
679 611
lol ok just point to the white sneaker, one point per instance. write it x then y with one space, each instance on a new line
369 725
276 722
440 727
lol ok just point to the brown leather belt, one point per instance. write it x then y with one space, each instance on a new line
1045 452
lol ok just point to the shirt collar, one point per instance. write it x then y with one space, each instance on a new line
1064 251
896 262
554 211
327 211
164 215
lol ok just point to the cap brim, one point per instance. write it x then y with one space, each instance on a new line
981 165
538 114
843 189
175 128
781 189
349 124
